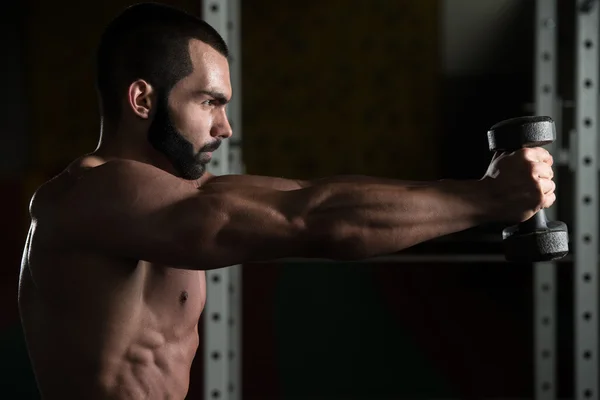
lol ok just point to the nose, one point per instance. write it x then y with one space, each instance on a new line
221 127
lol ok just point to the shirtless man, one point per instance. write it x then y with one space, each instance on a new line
112 281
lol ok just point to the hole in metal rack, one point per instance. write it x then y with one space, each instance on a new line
587 277
546 386
549 23
587 238
587 160
546 354
547 89
588 393
546 321
545 288
215 394
215 163
587 122
587 316
585 6
214 7
546 56
588 44
587 83
216 278
587 355
215 355
216 317
587 200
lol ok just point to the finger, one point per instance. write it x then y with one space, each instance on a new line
549 200
543 155
542 170
547 186
537 154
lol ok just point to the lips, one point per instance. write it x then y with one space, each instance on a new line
211 147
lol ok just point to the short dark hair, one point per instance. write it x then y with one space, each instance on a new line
148 41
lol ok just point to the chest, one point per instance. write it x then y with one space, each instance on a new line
179 293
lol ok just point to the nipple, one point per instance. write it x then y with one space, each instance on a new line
183 297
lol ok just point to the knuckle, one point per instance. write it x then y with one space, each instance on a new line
529 152
542 169
546 170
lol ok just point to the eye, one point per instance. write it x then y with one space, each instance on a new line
209 102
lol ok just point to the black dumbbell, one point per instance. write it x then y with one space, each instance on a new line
536 239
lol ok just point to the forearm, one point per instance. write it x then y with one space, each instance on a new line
375 219
235 224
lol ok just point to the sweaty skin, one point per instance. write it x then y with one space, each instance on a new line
112 278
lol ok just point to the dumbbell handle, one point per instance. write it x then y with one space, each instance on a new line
539 221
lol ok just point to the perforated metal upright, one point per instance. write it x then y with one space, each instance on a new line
222 328
586 201
545 273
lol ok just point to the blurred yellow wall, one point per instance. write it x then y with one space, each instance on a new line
338 86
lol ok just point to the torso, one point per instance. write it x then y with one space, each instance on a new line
99 327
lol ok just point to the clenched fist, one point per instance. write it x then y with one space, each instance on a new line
520 183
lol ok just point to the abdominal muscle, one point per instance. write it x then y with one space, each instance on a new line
108 331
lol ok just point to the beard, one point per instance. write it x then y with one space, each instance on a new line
167 140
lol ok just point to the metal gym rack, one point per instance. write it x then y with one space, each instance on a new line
584 142
222 315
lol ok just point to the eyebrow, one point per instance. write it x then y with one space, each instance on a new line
219 96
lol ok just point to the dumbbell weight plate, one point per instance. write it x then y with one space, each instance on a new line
551 243
519 132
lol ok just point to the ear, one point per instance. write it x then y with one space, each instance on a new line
140 98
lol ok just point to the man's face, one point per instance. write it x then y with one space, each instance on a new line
190 122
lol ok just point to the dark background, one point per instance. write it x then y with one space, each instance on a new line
403 89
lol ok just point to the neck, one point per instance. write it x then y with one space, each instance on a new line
120 142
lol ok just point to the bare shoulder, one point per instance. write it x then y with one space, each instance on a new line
77 176
80 196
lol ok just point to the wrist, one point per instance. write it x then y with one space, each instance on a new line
486 200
